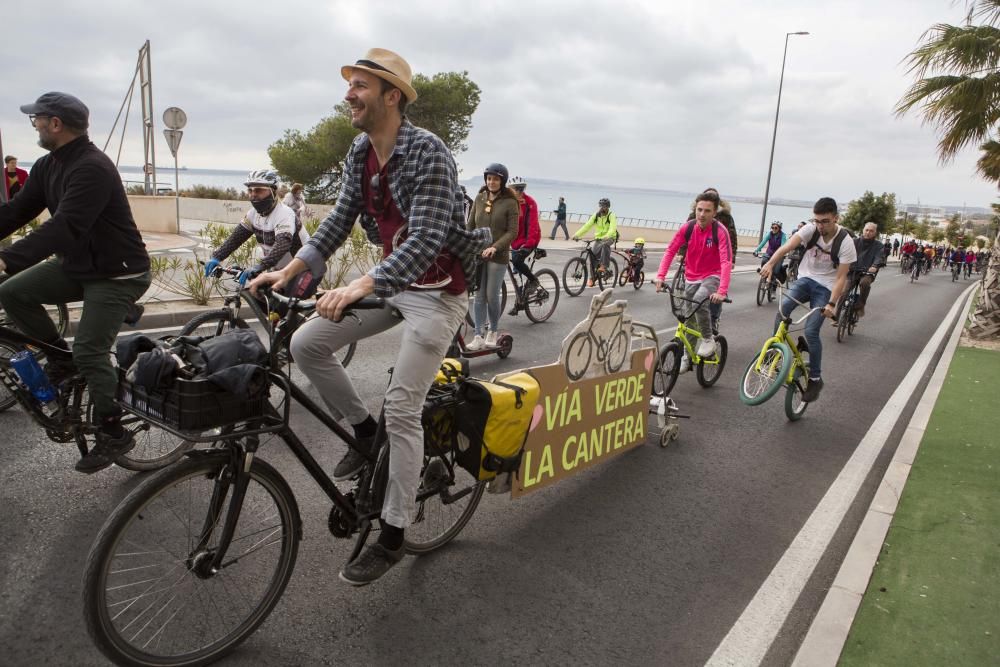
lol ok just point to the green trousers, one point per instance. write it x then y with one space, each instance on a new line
105 304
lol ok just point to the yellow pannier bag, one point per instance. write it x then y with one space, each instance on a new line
493 422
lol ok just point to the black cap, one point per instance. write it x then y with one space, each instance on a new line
63 106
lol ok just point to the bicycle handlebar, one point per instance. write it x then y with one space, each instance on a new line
665 288
308 305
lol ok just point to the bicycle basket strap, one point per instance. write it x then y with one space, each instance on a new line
493 423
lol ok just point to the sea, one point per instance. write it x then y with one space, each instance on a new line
638 206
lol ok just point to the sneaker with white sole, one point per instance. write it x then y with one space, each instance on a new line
475 344
491 339
706 347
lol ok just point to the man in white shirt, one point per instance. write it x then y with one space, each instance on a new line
829 252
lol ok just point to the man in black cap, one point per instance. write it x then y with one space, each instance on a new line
100 258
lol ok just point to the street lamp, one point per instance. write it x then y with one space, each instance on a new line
774 137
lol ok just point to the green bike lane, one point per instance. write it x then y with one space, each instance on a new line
918 584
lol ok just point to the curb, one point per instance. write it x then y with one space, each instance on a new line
831 626
164 316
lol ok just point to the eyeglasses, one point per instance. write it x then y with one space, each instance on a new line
34 116
378 196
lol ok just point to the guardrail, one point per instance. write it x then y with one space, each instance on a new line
647 223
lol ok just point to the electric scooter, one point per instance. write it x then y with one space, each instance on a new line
505 342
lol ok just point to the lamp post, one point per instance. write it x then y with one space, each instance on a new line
774 136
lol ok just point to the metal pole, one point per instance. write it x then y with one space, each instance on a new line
774 135
177 194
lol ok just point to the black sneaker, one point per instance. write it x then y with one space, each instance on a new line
113 440
353 460
514 310
812 390
373 562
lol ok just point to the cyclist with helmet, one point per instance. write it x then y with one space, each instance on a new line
637 255
495 208
275 225
773 241
528 234
606 224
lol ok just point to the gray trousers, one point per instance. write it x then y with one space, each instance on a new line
430 319
696 292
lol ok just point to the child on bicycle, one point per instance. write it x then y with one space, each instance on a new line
637 255
278 231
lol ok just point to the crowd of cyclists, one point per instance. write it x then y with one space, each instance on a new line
920 258
401 183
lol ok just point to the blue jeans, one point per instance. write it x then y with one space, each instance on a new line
487 303
808 291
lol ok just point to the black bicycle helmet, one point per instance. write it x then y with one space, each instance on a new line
604 201
497 169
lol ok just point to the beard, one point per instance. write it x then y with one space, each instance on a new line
46 142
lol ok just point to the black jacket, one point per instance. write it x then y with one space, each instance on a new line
869 254
91 228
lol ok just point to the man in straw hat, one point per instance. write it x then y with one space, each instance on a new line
403 182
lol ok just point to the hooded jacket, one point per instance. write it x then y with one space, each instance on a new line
528 230
501 221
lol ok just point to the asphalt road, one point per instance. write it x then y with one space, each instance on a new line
646 559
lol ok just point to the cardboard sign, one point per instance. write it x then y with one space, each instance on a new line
576 425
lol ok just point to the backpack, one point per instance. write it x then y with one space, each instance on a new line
838 240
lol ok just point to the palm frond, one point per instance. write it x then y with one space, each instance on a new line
956 49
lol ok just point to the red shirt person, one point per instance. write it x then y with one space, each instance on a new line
14 177
529 233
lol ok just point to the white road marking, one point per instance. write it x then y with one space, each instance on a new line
753 633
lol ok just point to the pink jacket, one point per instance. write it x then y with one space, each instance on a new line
701 259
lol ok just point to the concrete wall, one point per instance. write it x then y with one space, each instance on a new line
628 234
154 214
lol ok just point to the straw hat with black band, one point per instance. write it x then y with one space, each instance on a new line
388 66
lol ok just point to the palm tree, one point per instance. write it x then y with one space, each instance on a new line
958 84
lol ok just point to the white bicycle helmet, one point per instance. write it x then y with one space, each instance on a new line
517 182
267 178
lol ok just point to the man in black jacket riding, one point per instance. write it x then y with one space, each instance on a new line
870 260
100 258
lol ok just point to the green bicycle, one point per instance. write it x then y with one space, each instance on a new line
779 364
708 370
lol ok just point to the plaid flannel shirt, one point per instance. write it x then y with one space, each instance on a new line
423 183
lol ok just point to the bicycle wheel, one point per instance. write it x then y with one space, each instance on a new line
759 385
771 286
150 597
7 398
609 276
575 276
541 303
578 354
638 279
843 315
618 348
793 272
708 372
154 447
761 291
446 499
668 367
677 284
624 277
795 407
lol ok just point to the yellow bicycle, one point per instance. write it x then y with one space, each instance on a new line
708 370
779 364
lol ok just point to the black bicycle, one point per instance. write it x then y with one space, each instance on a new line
766 287
215 322
195 558
68 418
846 317
539 300
586 268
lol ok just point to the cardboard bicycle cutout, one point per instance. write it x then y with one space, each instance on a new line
594 401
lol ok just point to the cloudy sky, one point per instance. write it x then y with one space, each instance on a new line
665 94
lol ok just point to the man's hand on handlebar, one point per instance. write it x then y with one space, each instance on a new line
276 279
331 305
